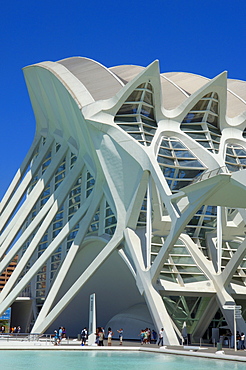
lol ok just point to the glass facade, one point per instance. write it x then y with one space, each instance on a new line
202 122
136 116
178 164
179 267
235 159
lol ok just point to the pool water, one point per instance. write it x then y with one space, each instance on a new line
105 360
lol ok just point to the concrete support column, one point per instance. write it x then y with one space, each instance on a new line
61 195
18 220
149 223
22 189
48 252
153 299
19 174
219 239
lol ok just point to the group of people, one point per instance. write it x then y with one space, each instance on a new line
146 336
59 335
101 336
240 338
228 339
13 329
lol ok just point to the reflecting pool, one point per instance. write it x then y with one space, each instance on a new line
107 360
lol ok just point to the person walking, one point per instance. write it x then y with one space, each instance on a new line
60 334
160 339
83 336
56 338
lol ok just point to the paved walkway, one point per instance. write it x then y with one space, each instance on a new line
69 344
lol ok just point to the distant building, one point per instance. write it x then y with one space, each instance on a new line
4 277
134 189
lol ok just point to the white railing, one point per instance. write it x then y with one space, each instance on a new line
208 174
27 337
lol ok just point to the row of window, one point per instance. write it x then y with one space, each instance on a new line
83 185
136 117
179 266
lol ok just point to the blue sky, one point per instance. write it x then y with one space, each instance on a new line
203 37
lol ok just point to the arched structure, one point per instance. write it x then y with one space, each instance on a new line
134 188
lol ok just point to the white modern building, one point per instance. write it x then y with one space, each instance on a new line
134 189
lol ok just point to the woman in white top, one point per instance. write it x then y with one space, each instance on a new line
110 334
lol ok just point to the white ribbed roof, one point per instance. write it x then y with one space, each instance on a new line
103 83
176 86
94 76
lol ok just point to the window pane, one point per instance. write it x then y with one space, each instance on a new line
128 109
135 96
212 119
193 117
148 98
147 111
201 105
